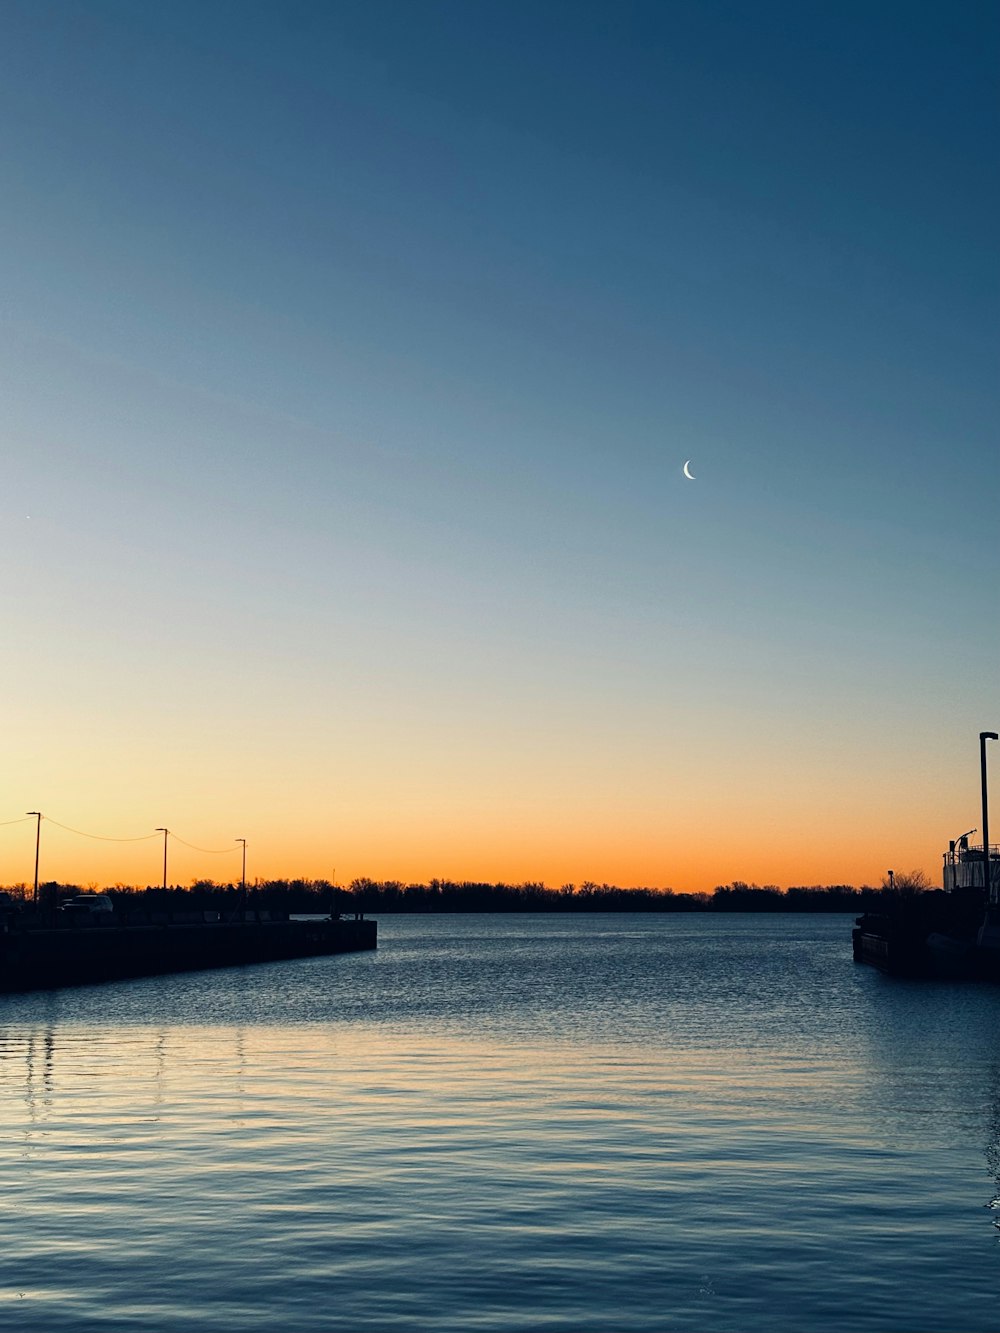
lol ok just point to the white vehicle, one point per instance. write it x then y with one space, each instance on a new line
89 904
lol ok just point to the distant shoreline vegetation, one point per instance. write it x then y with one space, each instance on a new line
389 896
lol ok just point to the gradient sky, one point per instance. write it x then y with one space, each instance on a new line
350 354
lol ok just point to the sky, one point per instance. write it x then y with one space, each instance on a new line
350 355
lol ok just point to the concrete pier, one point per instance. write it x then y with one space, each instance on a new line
43 958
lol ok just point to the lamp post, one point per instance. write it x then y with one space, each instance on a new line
165 832
991 898
38 841
892 880
243 877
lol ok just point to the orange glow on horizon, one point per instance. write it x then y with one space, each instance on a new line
491 808
616 852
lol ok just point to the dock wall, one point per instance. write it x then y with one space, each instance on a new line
37 959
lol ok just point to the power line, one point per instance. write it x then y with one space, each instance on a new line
98 837
209 851
144 837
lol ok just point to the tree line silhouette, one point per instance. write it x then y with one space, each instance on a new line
303 896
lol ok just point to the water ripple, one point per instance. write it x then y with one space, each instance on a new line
628 1124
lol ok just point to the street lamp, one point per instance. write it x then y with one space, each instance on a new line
892 880
985 736
243 878
164 831
38 839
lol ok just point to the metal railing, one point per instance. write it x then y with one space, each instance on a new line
974 853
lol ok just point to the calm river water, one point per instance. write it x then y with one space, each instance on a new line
594 1123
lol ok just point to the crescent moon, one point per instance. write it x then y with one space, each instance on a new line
689 475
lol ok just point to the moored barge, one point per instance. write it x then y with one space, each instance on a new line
954 932
951 932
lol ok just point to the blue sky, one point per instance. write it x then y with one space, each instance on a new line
351 355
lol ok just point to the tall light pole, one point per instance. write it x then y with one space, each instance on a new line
892 879
164 831
38 843
991 896
243 878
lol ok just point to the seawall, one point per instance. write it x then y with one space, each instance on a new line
39 959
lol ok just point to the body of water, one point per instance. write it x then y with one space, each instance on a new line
592 1124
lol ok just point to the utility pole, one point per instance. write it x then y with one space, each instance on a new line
243 877
165 832
991 896
38 841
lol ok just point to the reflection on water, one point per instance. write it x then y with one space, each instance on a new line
993 1145
614 1123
